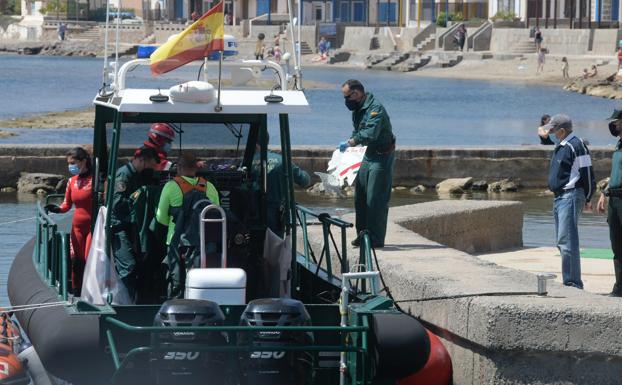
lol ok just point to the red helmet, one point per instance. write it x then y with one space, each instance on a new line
161 133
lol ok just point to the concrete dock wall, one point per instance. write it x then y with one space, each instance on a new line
496 331
413 166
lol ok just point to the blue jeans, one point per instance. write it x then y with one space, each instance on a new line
566 210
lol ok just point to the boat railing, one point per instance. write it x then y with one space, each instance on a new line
330 244
51 251
354 345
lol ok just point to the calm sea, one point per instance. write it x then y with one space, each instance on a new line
423 111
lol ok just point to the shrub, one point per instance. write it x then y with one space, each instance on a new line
505 16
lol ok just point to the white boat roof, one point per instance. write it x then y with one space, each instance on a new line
232 101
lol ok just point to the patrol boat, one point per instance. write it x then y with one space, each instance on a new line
259 314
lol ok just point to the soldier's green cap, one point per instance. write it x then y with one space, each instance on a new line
617 114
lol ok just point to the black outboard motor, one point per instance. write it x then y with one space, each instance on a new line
181 364
275 367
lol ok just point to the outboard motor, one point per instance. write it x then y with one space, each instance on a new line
275 367
181 364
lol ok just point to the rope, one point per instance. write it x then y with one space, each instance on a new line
33 306
18 220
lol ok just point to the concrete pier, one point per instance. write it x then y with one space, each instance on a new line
413 166
569 336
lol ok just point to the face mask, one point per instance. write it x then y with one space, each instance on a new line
147 173
613 128
351 104
167 147
74 169
553 138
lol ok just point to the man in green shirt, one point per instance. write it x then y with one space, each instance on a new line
182 242
128 179
372 191
614 209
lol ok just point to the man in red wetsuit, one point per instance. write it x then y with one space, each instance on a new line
79 192
160 138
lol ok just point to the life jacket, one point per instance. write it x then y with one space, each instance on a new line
186 217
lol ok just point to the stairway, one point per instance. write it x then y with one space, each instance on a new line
390 61
89 34
413 63
428 44
524 46
447 61
305 49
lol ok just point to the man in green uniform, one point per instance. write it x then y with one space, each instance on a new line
128 179
614 209
182 245
276 187
372 128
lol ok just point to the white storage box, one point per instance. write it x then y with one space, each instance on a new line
223 286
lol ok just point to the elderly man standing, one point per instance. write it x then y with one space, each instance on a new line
571 179
372 128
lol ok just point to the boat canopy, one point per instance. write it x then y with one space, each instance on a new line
232 102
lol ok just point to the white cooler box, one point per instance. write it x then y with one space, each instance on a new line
223 286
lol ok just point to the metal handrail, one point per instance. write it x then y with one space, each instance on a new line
51 251
250 23
223 221
327 221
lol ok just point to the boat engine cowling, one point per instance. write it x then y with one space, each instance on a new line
181 364
275 367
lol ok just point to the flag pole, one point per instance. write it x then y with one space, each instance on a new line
205 68
218 107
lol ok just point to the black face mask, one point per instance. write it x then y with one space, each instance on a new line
351 104
613 128
147 175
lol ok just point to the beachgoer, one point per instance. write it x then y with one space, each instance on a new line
372 192
462 36
194 16
538 39
565 68
593 72
571 179
183 247
614 208
260 47
543 133
62 28
541 60
127 180
585 74
79 192
322 49
276 52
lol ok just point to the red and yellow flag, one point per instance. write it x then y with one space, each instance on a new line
193 43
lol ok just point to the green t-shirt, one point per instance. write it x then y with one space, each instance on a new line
172 196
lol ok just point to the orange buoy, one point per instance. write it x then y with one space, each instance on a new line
11 368
436 371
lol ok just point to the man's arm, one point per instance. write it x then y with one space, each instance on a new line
372 127
301 177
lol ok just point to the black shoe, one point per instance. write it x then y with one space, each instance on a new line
356 242
377 245
615 292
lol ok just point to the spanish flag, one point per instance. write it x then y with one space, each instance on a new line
195 42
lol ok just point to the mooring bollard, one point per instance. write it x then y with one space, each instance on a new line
542 278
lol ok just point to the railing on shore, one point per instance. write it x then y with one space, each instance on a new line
51 251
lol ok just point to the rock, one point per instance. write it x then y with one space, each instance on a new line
418 189
349 191
42 192
400 188
480 185
31 183
339 57
8 189
505 185
454 185
602 184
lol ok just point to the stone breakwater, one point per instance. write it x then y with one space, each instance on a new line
58 48
526 167
607 88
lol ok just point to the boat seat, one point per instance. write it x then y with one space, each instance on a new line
224 286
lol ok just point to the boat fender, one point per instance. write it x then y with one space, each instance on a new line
193 92
437 371
29 357
401 345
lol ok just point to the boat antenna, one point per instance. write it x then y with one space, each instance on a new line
105 80
116 47
218 107
295 45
